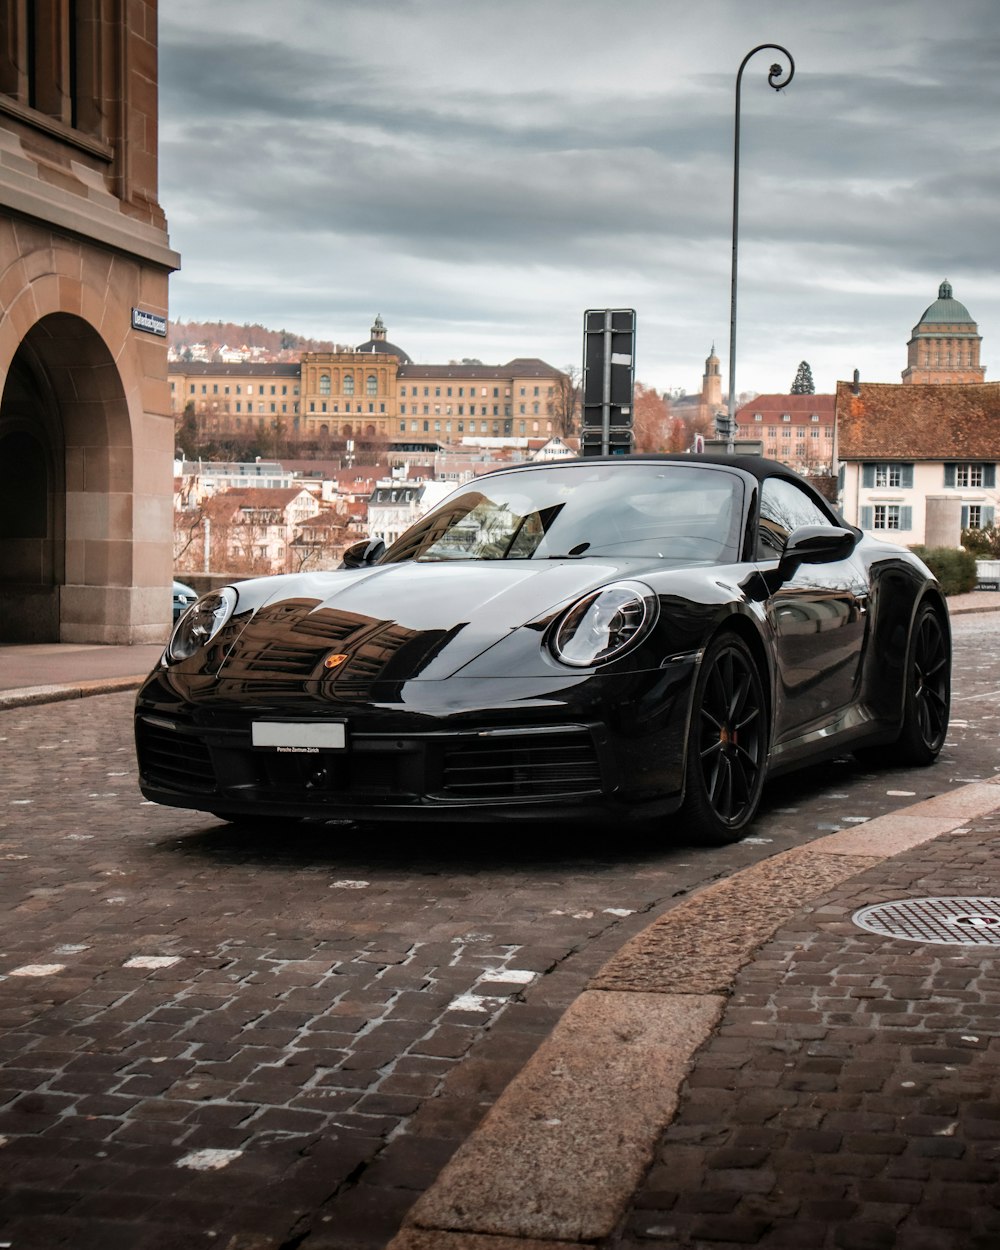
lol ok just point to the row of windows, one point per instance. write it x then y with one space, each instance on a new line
261 390
348 431
898 516
826 432
484 427
483 392
772 432
941 359
371 389
347 407
969 474
261 407
787 416
371 384
472 410
801 449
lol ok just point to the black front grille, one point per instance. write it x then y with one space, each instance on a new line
173 759
522 766
373 769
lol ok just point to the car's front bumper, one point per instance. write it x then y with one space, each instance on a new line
459 749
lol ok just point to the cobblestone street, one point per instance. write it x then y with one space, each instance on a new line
259 1041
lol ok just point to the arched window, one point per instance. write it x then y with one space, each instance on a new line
349 384
348 431
371 384
324 384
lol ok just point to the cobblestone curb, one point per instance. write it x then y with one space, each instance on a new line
26 696
560 1153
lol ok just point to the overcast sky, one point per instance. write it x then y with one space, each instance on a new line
480 173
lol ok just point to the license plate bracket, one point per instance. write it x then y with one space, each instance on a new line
299 737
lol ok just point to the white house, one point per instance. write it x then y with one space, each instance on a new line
919 462
394 506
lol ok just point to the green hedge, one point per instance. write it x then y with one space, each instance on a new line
955 569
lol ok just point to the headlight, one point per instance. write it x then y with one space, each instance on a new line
604 624
201 622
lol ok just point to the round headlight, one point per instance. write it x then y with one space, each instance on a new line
604 624
201 622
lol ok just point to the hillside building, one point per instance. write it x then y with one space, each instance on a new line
373 393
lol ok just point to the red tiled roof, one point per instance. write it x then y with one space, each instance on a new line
799 407
260 496
897 421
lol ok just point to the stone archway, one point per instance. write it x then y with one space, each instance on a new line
66 525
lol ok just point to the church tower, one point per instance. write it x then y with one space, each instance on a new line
711 385
945 344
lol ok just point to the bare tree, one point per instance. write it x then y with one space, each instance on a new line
564 406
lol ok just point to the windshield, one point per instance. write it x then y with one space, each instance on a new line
665 511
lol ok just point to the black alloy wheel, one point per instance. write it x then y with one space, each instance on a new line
927 696
727 743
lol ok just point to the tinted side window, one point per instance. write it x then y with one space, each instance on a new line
783 508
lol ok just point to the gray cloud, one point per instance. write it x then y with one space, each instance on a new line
480 174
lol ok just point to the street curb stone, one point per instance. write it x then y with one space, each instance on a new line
28 696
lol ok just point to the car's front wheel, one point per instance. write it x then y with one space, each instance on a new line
727 744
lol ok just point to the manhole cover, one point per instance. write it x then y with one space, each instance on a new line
948 921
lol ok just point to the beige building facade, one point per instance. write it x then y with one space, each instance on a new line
374 392
86 434
797 430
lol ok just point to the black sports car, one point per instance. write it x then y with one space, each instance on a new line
639 636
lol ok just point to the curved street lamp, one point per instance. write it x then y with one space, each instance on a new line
777 79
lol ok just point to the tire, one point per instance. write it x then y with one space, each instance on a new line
927 692
726 754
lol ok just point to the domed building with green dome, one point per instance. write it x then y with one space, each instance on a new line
945 344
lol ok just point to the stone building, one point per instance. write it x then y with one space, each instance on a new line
944 347
86 434
373 392
798 430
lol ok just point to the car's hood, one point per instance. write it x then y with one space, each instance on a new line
400 622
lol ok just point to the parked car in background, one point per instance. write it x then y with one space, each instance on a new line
184 596
650 636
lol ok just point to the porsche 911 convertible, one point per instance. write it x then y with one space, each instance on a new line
648 637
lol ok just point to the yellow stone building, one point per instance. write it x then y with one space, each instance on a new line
374 392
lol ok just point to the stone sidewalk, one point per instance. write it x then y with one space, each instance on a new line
755 1069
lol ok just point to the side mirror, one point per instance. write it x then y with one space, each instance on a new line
815 544
360 555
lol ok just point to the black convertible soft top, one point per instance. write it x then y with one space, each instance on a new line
756 466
